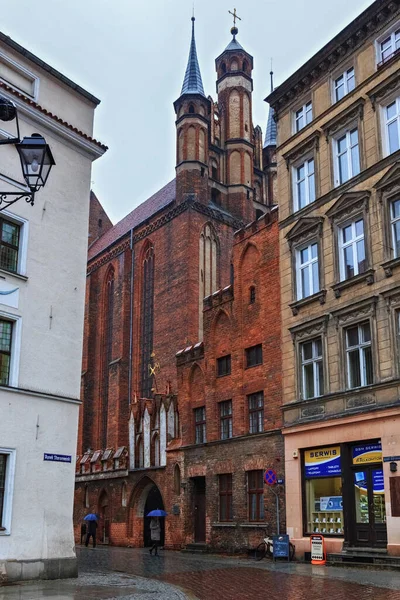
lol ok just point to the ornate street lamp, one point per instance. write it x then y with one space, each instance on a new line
35 155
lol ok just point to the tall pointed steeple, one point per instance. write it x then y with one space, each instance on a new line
192 84
270 132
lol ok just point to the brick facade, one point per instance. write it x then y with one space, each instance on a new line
188 226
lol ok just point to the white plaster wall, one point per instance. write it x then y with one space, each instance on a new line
163 436
146 438
69 105
171 420
41 524
132 444
51 349
50 356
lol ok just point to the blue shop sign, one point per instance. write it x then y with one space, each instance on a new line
321 462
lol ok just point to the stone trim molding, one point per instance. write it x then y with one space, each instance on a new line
352 112
355 311
342 45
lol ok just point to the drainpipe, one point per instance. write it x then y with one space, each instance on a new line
131 321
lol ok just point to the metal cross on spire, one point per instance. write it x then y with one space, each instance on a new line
235 16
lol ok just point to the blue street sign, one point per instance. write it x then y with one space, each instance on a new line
280 481
57 457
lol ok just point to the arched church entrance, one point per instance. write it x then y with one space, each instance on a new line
153 501
104 519
145 497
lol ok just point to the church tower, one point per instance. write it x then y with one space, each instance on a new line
192 124
234 87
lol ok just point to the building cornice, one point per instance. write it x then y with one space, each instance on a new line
31 109
142 232
343 44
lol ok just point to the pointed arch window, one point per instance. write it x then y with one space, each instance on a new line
139 453
147 323
156 451
208 268
108 326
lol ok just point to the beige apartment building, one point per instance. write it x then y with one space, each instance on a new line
338 153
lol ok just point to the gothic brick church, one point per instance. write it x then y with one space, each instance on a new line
181 377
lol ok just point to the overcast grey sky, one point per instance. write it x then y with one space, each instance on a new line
132 55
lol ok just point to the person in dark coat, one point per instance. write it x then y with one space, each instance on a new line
91 533
155 533
83 532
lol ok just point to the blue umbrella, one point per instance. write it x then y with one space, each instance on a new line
157 513
91 517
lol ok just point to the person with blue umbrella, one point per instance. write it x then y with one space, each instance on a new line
91 520
155 529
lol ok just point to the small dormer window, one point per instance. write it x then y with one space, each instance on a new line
191 109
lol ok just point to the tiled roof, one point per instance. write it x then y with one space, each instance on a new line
141 213
192 84
234 45
51 115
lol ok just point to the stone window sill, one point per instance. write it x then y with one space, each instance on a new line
298 304
222 524
253 525
368 277
389 265
14 274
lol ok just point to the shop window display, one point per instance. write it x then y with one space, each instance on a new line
323 487
324 505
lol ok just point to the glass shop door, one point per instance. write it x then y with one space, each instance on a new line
369 528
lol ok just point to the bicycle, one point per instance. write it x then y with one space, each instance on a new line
266 548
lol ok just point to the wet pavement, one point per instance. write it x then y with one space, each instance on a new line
210 577
132 574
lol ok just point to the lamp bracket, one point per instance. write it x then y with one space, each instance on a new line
8 198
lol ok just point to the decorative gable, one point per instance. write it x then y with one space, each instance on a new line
349 204
390 181
305 228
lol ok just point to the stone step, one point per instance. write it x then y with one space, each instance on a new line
195 548
366 559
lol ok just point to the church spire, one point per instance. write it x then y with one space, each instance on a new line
270 133
192 84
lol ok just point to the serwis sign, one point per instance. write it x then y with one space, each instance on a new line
322 461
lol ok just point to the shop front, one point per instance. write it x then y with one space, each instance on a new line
342 490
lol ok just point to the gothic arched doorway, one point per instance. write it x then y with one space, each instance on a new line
104 522
153 501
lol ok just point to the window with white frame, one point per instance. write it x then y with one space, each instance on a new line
6 335
303 116
7 469
388 46
307 275
352 259
344 84
391 114
312 370
359 355
395 227
347 156
304 184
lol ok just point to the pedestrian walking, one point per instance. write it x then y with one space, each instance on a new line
91 532
155 533
83 532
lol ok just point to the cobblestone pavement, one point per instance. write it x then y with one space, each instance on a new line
93 586
208 577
